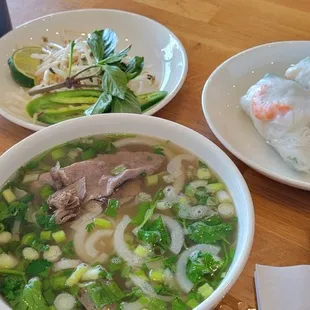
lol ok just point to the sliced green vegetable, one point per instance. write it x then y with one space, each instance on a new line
46 235
58 153
118 170
150 99
77 275
8 195
59 236
103 105
113 205
102 223
68 250
46 191
151 180
205 290
89 154
28 239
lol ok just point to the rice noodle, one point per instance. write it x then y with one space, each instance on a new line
66 264
79 240
176 233
175 169
147 288
142 141
93 239
120 245
184 283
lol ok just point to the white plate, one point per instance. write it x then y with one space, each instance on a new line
159 46
220 103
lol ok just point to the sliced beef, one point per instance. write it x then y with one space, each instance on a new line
100 182
67 201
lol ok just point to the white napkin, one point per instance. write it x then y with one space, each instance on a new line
283 288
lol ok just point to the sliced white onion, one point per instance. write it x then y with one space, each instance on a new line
134 141
136 305
174 167
176 233
120 244
184 283
179 183
102 258
66 264
79 241
15 230
19 193
169 279
93 239
195 213
226 210
223 196
147 288
170 193
64 301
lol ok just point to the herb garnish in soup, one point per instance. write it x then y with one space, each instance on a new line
114 222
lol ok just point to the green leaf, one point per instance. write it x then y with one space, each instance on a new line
103 105
158 150
155 233
38 266
152 303
44 220
114 81
4 211
68 250
199 264
89 227
72 44
102 43
178 304
141 208
11 288
114 58
32 298
200 232
129 105
115 263
149 212
171 262
111 210
134 67
102 293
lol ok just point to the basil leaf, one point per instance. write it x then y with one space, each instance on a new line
129 105
134 67
113 58
102 43
114 81
102 105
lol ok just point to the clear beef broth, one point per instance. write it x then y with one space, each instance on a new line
189 211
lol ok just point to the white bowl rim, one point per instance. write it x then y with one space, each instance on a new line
249 220
151 111
275 176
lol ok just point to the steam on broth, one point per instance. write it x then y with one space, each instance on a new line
114 222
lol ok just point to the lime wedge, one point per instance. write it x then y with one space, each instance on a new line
23 66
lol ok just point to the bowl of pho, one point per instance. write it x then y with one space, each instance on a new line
120 212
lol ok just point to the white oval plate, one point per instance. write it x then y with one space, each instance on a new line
159 46
228 121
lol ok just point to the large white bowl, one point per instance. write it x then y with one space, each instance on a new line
220 103
57 134
161 49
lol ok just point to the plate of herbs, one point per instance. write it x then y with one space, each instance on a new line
58 68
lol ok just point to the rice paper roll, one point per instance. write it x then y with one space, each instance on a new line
280 111
300 73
